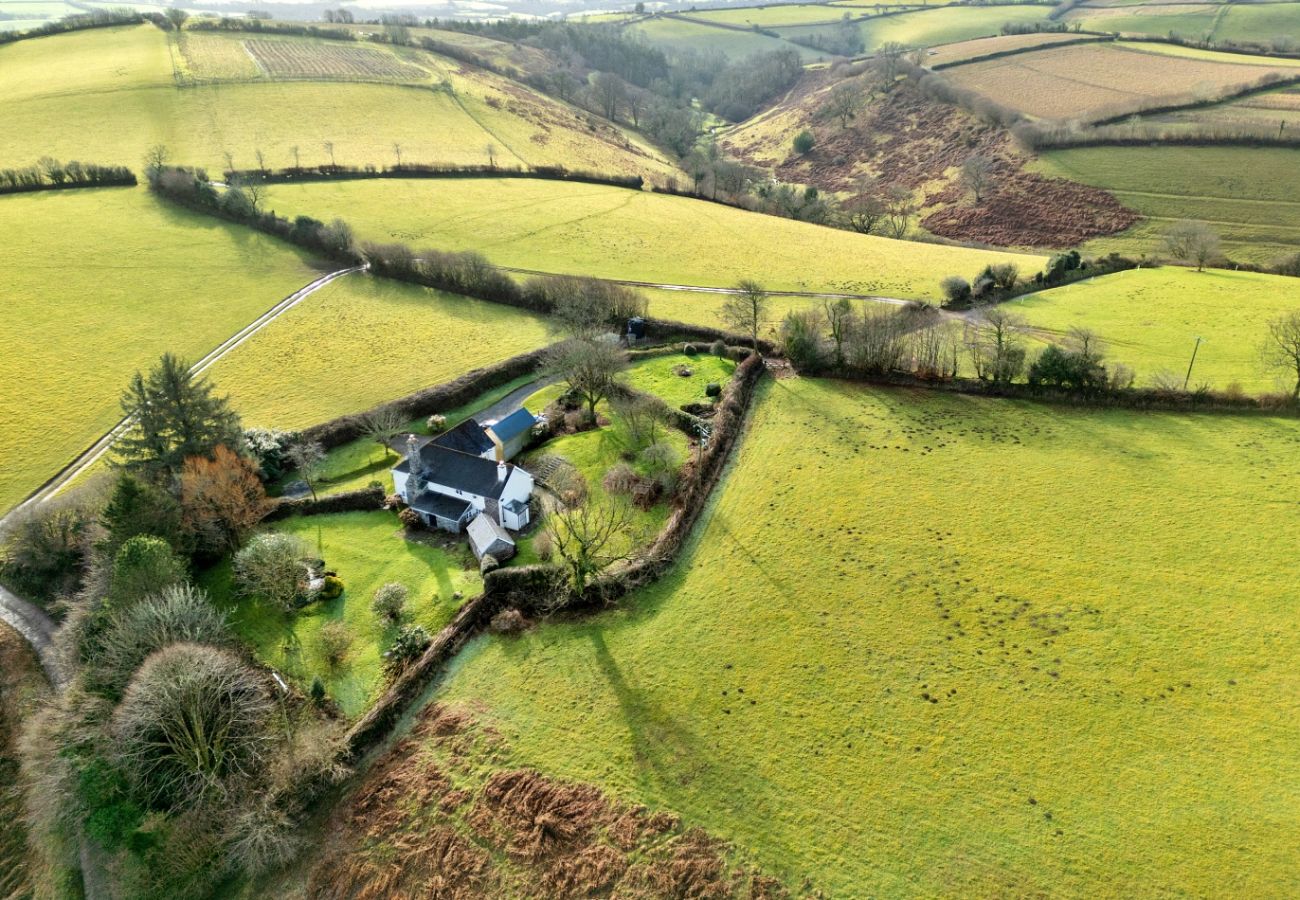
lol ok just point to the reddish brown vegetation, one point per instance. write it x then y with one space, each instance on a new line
411 830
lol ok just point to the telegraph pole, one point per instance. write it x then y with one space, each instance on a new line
1192 363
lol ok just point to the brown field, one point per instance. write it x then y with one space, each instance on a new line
949 54
301 59
1091 81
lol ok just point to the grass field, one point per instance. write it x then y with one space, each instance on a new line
1088 81
107 95
774 16
941 25
906 654
1246 193
99 283
674 34
367 549
949 54
659 375
617 233
1149 319
360 341
1260 23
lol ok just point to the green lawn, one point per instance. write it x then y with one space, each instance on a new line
1246 193
367 549
107 95
361 341
1149 319
656 375
937 645
618 233
99 283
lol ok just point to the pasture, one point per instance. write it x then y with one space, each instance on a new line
940 25
108 95
964 51
609 232
1090 81
675 33
1261 23
773 16
98 284
860 672
1149 319
360 341
1246 193
367 549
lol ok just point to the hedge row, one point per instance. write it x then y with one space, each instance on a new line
299 175
99 18
52 175
362 500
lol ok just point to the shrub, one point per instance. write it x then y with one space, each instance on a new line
271 567
45 548
955 289
436 423
508 621
332 588
261 839
544 546
488 563
690 349
144 565
335 642
193 723
410 642
804 142
393 501
620 479
718 348
713 389
390 601
410 519
317 691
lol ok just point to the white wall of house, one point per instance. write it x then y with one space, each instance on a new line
519 486
399 484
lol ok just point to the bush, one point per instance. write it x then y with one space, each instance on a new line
45 549
317 692
804 142
271 567
544 546
335 642
955 290
620 479
689 350
508 621
410 642
193 723
488 563
332 589
390 601
144 565
713 389
436 423
718 348
410 519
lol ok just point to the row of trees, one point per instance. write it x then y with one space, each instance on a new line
50 173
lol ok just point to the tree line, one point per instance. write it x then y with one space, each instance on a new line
81 21
50 174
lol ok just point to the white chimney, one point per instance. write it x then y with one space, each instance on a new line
411 448
502 471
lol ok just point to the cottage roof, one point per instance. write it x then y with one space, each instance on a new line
461 471
467 437
451 508
486 536
513 425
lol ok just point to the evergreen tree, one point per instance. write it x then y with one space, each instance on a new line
177 416
137 507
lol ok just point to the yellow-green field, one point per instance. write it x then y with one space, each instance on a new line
941 25
1247 194
949 54
617 233
367 549
1261 23
97 284
360 341
107 95
934 645
1149 319
773 16
675 34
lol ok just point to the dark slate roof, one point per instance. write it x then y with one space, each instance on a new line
441 505
514 425
467 437
471 474
489 537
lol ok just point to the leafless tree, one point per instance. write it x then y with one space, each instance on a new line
746 310
590 367
308 457
844 102
255 190
329 150
1192 242
610 92
1282 347
889 62
866 213
995 344
397 152
977 174
491 151
592 535
155 159
261 160
839 321
382 426
297 162
899 209
230 160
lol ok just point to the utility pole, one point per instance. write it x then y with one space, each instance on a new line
1192 363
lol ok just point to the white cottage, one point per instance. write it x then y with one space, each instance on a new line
448 487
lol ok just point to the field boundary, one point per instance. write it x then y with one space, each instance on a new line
418 171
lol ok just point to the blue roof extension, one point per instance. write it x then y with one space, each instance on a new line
514 424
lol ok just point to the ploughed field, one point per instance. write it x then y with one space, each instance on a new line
608 232
1149 319
107 95
929 644
98 284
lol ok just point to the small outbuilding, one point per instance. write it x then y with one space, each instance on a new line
510 435
486 537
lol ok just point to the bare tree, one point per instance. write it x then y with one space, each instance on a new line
230 160
590 367
889 62
1192 242
866 213
839 321
586 307
397 152
255 190
491 151
297 162
176 16
261 160
382 426
308 457
844 102
994 341
746 310
593 534
1282 347
155 160
899 209
610 92
977 175
329 150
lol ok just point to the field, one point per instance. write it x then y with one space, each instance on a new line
942 25
108 95
617 233
1262 23
672 33
109 280
367 549
1149 319
360 341
1246 193
950 54
773 16
660 375
1274 107
1088 81
860 673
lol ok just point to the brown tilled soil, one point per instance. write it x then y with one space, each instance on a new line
437 818
906 139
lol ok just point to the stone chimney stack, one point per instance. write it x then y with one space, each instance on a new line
411 449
